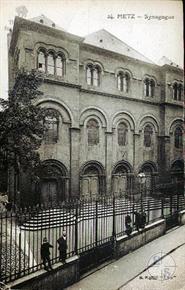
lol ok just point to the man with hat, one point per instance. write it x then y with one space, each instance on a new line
45 253
62 247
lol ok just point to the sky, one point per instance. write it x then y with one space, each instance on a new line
144 30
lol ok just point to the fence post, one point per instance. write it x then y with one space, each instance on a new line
171 208
96 232
113 221
177 202
1 240
148 211
76 229
162 208
20 255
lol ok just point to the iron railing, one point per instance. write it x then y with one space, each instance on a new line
88 224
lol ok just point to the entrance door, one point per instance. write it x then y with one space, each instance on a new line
90 186
119 184
49 191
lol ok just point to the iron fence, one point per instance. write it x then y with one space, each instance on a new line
88 224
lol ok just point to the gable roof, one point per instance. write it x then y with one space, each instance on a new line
42 19
164 60
104 39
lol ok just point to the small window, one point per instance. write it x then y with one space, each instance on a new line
93 75
179 92
122 134
51 122
120 81
89 75
146 87
178 138
148 136
59 66
51 64
151 88
41 61
96 77
93 132
123 82
175 87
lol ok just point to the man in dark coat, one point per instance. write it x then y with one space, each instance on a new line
137 220
128 224
45 253
62 247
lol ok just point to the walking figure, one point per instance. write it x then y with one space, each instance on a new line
128 225
137 220
62 247
45 254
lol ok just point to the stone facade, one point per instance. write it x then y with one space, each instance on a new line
76 164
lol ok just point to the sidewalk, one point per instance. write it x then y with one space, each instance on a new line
116 274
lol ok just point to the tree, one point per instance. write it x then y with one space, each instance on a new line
21 123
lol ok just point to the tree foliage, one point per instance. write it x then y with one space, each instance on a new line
21 122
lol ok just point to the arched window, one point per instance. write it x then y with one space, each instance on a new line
51 122
93 132
123 82
51 64
175 88
120 81
151 88
146 87
89 75
178 137
96 76
60 63
179 92
148 136
122 134
41 64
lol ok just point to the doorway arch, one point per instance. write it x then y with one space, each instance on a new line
150 169
92 180
177 175
121 180
53 182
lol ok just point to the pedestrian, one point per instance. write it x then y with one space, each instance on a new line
62 247
137 220
143 219
45 254
128 225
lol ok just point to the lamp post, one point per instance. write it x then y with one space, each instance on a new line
142 179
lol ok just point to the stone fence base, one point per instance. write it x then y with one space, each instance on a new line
182 217
126 244
66 274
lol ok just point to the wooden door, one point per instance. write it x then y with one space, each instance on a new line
49 191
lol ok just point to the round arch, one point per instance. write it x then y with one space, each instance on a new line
148 165
125 117
122 167
92 179
178 122
91 112
148 120
121 178
53 182
64 111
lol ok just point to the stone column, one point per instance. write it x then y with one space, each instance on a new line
74 162
108 162
138 152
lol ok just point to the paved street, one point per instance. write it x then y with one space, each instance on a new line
168 274
132 272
